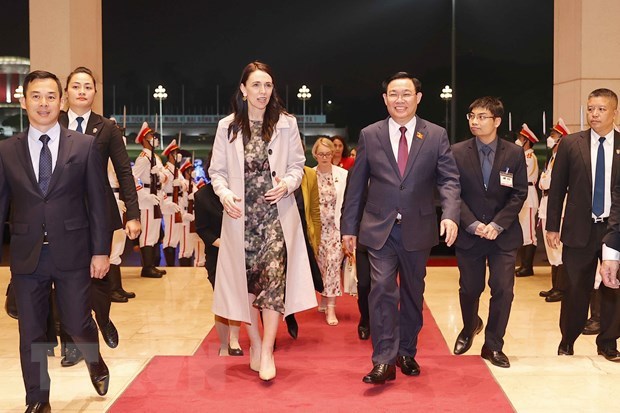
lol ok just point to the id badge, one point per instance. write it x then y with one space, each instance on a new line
505 179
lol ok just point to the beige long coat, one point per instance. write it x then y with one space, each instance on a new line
286 159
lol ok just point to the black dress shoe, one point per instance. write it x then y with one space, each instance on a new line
554 297
150 272
292 326
408 365
591 328
610 354
39 407
363 332
72 356
99 376
496 357
110 334
464 340
380 373
116 297
127 294
546 293
159 270
565 350
234 351
524 272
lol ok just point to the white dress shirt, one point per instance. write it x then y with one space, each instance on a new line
73 120
395 134
35 146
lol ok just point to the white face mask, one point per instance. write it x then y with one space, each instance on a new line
519 142
550 142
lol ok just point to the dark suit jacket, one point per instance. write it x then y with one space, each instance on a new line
430 165
109 141
572 176
499 204
74 212
208 211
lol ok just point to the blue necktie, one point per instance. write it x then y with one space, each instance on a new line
45 165
598 201
79 126
486 164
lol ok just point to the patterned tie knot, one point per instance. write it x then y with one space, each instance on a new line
45 139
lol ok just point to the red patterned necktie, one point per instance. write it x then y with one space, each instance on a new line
403 151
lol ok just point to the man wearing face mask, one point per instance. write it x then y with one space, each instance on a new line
527 216
149 176
554 255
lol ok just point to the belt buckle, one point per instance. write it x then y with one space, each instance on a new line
598 220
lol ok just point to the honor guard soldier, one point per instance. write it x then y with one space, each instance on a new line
527 216
554 255
149 176
189 237
173 221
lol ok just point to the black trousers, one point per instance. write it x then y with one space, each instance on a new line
362 266
580 265
472 265
32 292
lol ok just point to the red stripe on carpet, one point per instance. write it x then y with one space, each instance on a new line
321 371
441 262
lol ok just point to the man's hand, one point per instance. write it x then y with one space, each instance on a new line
490 232
609 272
277 192
348 243
133 228
230 206
480 230
99 266
121 205
553 239
449 227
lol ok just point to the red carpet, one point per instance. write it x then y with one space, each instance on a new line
319 372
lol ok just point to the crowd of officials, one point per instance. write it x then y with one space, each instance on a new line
272 231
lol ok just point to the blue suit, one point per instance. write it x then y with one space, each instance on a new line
399 248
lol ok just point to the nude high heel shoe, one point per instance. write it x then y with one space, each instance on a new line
268 372
330 315
254 360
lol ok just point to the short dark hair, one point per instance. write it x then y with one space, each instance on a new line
605 93
82 69
490 103
39 75
402 75
345 147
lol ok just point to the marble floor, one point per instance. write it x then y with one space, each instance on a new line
171 316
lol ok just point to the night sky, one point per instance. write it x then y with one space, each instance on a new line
504 48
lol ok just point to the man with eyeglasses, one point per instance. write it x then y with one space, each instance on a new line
400 161
493 177
586 171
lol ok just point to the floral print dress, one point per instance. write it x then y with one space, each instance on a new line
265 252
330 254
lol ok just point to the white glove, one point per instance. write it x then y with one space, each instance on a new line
191 196
121 206
187 217
177 182
176 207
156 170
153 198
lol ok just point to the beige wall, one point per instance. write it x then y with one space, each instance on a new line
586 54
65 34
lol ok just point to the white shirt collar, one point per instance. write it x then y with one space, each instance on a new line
34 134
72 119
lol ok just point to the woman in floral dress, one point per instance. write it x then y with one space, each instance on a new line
332 181
257 164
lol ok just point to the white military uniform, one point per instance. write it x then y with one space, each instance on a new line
554 255
142 176
527 216
191 244
172 230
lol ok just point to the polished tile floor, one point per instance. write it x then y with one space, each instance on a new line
171 316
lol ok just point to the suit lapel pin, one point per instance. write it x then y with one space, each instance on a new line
419 135
94 130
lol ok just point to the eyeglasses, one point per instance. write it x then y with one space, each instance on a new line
480 117
324 154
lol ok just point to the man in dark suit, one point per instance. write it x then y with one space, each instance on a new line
81 89
402 160
585 171
54 182
494 185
